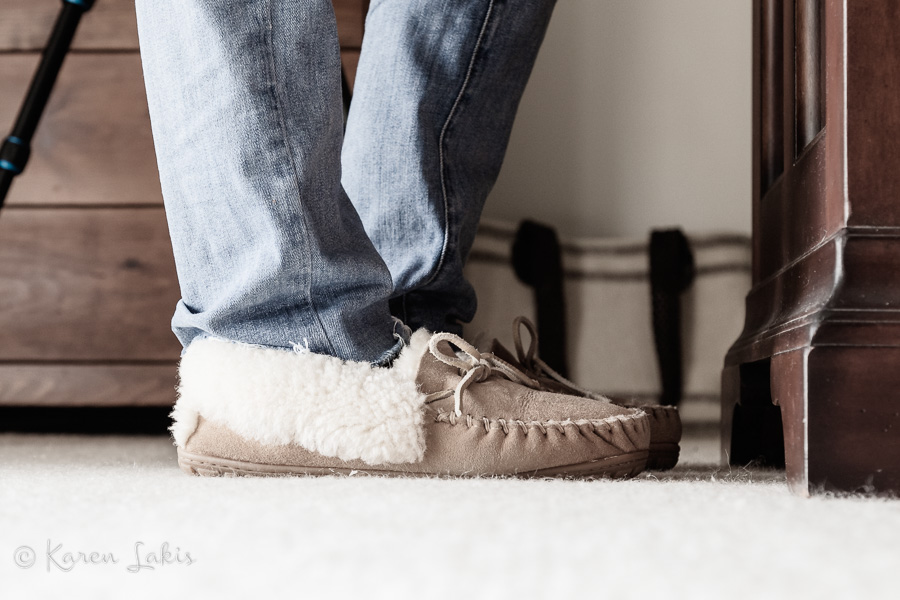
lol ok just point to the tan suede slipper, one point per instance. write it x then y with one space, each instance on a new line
665 423
442 408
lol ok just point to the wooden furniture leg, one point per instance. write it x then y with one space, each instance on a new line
821 340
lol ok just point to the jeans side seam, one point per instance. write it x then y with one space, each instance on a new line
296 175
446 126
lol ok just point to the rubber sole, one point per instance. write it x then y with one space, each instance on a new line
663 456
623 466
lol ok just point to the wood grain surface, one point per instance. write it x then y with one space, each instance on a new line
87 385
94 143
823 317
86 284
111 24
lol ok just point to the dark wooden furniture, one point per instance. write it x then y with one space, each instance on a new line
87 278
822 332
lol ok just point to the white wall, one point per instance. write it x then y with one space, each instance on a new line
637 115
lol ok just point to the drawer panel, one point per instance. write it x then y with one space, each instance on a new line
86 284
87 385
93 144
111 25
26 25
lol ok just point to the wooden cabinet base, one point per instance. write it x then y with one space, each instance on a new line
839 410
821 336
823 344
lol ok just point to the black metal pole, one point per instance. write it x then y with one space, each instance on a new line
16 147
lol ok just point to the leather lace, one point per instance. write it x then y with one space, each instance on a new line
475 366
534 366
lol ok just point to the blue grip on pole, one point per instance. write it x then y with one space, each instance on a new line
13 155
85 4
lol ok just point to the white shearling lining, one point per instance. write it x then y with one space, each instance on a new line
348 410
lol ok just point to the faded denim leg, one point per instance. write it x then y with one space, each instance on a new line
437 89
245 105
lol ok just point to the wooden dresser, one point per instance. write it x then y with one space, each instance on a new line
87 278
822 334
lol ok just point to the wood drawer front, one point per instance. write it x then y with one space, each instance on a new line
111 25
26 25
93 144
87 385
86 284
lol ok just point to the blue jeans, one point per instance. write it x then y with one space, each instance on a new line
273 245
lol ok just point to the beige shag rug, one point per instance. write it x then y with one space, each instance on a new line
103 507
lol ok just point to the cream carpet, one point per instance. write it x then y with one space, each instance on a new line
697 532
